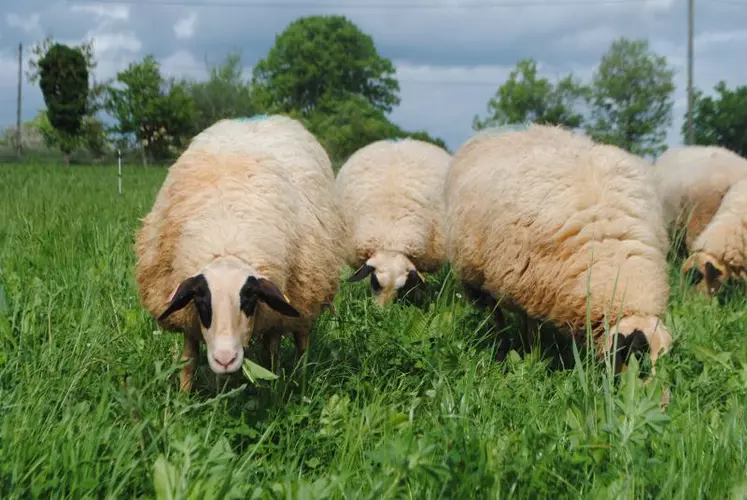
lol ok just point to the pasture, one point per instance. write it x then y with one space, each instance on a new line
406 402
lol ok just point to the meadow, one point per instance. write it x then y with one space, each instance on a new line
404 402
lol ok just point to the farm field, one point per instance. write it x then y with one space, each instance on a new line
405 402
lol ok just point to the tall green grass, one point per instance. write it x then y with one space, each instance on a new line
406 402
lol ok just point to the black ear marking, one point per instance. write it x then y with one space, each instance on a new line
634 344
711 273
375 285
361 273
693 276
195 287
620 355
256 289
413 279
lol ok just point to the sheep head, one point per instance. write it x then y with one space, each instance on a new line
225 295
391 273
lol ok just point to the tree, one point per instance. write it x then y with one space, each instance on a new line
224 95
319 56
720 120
158 114
63 78
525 97
631 98
39 50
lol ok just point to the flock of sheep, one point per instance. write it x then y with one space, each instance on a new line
250 230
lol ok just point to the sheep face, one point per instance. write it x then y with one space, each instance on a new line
704 272
636 335
391 272
225 295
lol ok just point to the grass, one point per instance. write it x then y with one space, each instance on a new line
406 402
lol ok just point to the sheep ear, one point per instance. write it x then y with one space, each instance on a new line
711 272
413 278
361 273
256 289
195 287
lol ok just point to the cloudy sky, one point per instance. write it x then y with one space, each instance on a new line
450 55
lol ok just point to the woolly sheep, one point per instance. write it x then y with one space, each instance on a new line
720 251
691 181
245 238
392 194
527 210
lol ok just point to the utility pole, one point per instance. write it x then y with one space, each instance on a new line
690 22
18 114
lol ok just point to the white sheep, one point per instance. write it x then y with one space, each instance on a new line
245 238
392 194
691 181
529 213
720 251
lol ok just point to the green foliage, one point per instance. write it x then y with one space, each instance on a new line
631 98
40 49
720 120
158 114
224 95
64 84
525 97
345 125
316 56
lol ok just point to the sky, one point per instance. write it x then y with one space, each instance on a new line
450 55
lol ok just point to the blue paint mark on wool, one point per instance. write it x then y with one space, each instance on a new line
254 118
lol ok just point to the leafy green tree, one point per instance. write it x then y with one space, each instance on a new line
720 120
527 97
319 56
157 114
40 49
346 125
225 94
631 98
63 78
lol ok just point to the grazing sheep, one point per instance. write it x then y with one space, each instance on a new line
392 193
720 251
691 181
529 212
245 238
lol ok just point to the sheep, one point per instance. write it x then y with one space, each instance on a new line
391 192
720 251
529 212
245 239
691 181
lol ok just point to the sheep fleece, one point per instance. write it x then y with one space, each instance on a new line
695 178
392 192
725 237
262 191
525 211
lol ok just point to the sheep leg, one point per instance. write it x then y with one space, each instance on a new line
530 332
301 338
190 352
270 344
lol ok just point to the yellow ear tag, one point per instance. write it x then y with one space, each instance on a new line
286 298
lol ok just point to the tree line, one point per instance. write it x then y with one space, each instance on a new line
326 72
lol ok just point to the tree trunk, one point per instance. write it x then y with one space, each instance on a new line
66 159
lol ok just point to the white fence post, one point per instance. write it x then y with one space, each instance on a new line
119 170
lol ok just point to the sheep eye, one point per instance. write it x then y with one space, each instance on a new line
375 286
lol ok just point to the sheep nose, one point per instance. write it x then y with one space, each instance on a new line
224 357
